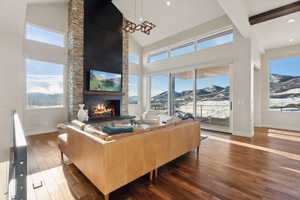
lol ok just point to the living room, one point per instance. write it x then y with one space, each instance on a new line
145 99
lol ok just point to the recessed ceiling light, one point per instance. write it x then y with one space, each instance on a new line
168 3
141 19
291 20
291 40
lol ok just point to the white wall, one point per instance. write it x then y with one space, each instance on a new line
281 120
54 17
12 21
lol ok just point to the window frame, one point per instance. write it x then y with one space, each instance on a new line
194 42
217 35
46 29
64 79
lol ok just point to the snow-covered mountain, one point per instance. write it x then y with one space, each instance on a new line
213 92
282 86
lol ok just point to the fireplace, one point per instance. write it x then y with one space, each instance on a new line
104 109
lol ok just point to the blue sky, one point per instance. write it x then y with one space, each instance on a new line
159 84
133 59
44 36
35 67
290 66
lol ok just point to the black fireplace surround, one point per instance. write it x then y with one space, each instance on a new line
103 49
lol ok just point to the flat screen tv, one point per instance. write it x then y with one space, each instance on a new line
105 81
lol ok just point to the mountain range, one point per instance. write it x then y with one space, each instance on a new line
213 93
281 86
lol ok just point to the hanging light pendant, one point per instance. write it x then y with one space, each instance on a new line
144 27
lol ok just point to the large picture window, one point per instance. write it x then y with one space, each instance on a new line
45 36
159 93
44 84
284 88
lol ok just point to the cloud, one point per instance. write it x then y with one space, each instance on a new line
46 84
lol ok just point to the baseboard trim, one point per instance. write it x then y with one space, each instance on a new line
242 133
40 131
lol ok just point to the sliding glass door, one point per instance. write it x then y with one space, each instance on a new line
204 93
183 92
213 102
159 93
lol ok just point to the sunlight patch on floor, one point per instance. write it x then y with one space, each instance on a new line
269 150
292 170
285 137
283 132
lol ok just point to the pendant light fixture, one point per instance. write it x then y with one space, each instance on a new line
145 27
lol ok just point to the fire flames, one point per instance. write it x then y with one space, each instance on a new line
102 111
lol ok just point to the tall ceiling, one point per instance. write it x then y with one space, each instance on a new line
277 32
182 15
179 16
259 6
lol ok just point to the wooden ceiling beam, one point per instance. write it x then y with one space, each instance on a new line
275 13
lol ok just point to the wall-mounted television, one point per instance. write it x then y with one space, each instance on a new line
105 81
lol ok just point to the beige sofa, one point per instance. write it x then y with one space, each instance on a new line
114 162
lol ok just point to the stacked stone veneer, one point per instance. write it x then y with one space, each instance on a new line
124 108
75 77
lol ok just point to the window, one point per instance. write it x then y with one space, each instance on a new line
158 57
215 41
133 59
284 88
213 96
188 48
159 93
183 94
44 84
42 35
133 89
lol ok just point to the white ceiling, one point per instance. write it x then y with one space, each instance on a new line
259 6
180 16
277 32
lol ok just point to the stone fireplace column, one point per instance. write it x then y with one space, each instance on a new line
75 56
75 76
124 106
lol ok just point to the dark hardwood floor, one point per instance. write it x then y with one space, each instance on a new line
228 167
